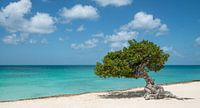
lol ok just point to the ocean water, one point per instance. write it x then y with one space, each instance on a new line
24 82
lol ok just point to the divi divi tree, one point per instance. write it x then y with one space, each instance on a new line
136 61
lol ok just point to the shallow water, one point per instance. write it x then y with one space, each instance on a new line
23 82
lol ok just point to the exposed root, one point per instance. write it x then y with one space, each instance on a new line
157 92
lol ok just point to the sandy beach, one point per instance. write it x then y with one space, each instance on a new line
117 99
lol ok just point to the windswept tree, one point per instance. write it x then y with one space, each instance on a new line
136 61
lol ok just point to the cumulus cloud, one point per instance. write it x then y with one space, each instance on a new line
23 38
141 22
162 30
116 3
119 39
118 45
197 40
91 43
38 41
12 18
14 39
144 21
79 12
41 23
81 28
121 36
171 50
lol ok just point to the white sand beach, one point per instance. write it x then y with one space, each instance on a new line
117 99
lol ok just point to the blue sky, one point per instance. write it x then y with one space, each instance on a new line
81 32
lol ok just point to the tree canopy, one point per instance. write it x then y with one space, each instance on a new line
138 56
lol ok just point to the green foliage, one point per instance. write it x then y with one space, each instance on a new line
125 62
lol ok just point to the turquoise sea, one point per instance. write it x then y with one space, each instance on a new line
23 82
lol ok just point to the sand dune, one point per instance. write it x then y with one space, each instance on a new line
131 98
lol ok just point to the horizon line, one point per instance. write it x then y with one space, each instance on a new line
94 65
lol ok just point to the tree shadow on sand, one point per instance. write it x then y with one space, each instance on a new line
130 94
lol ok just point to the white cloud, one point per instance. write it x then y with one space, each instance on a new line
118 45
171 50
162 30
98 35
17 9
41 23
14 39
23 38
91 43
121 36
144 21
119 39
12 18
141 22
79 12
81 28
116 3
197 40
38 41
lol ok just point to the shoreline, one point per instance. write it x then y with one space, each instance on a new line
78 94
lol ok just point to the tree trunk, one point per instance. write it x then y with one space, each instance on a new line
152 91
